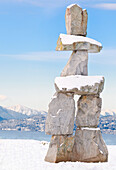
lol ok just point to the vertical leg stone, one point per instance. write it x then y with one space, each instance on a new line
89 108
60 124
61 113
60 149
89 146
77 64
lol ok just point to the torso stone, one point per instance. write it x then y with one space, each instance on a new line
77 64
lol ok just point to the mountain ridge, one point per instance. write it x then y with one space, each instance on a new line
19 112
26 110
10 114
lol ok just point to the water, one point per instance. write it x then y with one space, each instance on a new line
41 136
109 139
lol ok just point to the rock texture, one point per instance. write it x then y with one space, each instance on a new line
89 108
76 20
80 85
72 43
60 148
77 64
60 118
89 146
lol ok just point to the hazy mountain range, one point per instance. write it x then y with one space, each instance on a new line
22 112
22 118
19 112
26 111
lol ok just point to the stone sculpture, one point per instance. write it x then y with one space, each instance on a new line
87 144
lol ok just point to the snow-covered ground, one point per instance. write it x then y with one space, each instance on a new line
29 155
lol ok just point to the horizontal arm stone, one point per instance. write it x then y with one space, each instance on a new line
72 43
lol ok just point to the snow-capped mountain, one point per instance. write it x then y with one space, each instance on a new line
10 114
108 112
27 111
19 112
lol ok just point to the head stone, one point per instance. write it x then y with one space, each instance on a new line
76 20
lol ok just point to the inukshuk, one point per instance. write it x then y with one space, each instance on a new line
87 144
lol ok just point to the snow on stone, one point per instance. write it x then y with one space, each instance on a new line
87 128
58 111
70 6
70 39
30 154
77 81
101 151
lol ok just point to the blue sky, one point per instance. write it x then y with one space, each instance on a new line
29 30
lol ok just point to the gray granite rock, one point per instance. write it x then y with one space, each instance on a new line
79 43
60 118
77 64
60 148
80 85
76 20
89 108
89 146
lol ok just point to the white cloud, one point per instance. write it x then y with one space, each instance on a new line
57 3
43 3
40 56
106 56
2 97
106 6
50 6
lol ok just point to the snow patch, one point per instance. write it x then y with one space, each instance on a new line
101 151
70 6
30 154
71 82
87 128
70 39
59 111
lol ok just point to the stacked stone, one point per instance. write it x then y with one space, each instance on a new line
87 144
